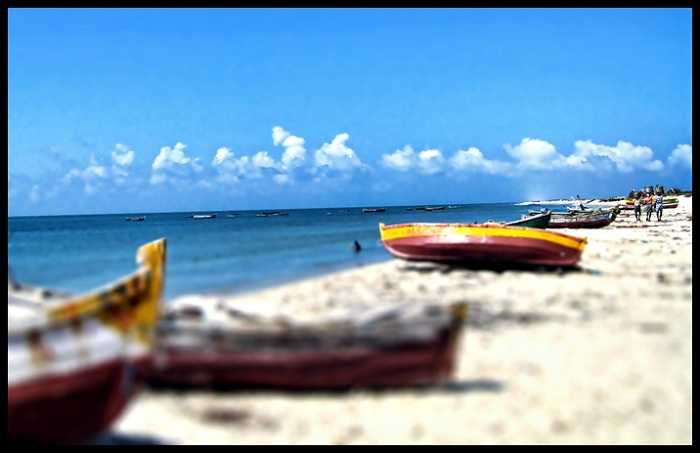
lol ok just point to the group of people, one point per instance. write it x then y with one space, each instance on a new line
652 202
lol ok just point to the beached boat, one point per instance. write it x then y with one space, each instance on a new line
203 216
484 244
596 219
73 362
203 345
136 219
535 221
371 210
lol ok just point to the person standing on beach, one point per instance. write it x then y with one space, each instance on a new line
649 203
638 207
659 207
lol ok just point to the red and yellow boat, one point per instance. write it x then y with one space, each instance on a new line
482 244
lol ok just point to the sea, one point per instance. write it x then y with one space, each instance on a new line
235 252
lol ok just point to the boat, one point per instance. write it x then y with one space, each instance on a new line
232 216
136 219
75 361
596 219
481 244
536 221
371 210
271 214
203 216
220 346
432 208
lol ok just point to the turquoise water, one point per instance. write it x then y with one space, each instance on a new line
78 253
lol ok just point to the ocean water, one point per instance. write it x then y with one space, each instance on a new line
79 253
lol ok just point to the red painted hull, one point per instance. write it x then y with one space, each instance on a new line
69 408
580 223
490 250
401 365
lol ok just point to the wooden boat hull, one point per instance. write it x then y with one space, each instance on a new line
535 221
490 245
74 364
280 364
592 220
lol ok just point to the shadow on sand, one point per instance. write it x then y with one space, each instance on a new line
427 267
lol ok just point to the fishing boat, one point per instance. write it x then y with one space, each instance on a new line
271 214
232 216
74 362
540 220
203 216
596 219
371 210
136 219
481 244
432 208
215 345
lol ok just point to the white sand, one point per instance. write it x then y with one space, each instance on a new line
603 355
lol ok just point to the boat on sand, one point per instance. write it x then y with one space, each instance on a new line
481 244
214 345
535 221
74 362
595 219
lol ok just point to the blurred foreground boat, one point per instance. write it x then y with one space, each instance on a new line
391 346
72 361
535 221
485 244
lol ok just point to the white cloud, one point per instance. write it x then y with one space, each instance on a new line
626 156
173 163
222 154
533 153
430 161
294 152
232 169
262 160
34 194
682 156
122 155
90 176
473 159
401 159
336 155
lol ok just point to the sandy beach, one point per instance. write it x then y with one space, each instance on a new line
599 355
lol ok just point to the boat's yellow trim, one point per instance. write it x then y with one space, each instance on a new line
389 233
131 304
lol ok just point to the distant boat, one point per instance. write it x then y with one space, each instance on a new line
135 219
453 206
203 216
481 244
370 210
536 221
271 214
433 208
232 216
74 362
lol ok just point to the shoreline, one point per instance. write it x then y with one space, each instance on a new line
598 355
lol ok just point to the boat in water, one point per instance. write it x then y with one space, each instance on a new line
271 214
135 219
203 216
540 220
371 210
74 362
481 244
432 208
214 345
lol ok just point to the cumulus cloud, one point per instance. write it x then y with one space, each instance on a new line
430 161
336 155
682 156
232 169
473 159
533 153
626 156
90 176
401 159
294 152
122 158
174 164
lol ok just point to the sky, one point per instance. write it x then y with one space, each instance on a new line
148 110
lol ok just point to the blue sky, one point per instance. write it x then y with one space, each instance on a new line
194 109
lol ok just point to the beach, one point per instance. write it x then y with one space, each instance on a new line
597 355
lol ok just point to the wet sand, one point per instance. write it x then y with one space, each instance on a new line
602 354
